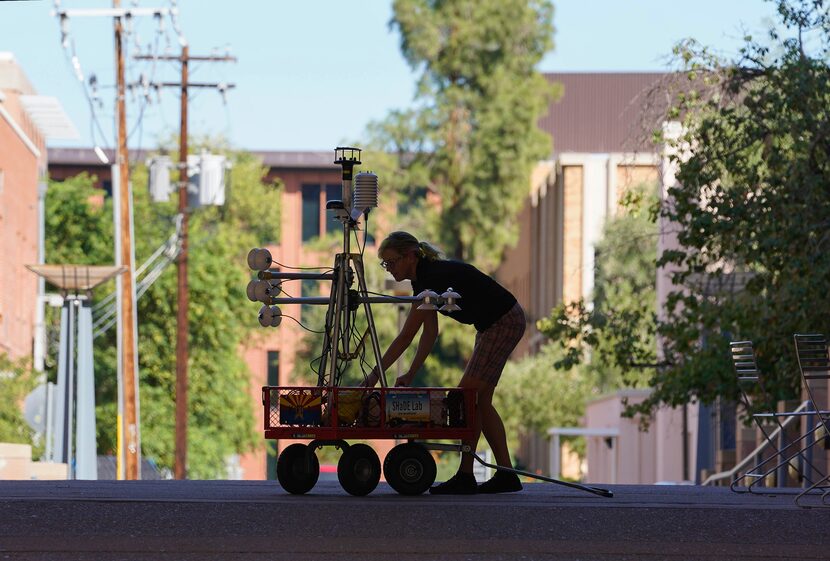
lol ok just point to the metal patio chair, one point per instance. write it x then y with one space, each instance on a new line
794 455
814 366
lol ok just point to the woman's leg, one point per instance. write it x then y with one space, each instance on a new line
493 427
490 353
488 422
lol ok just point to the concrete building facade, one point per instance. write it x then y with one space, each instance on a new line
601 130
600 150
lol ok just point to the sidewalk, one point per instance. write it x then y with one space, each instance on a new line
166 520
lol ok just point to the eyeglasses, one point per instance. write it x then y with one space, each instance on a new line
389 262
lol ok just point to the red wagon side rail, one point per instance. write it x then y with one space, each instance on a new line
329 413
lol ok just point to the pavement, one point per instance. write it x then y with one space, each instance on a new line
183 520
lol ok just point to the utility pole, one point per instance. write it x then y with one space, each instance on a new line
182 321
131 434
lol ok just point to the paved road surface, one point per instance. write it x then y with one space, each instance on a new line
173 520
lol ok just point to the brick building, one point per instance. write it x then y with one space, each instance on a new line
22 160
26 121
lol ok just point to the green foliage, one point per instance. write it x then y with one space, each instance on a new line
533 397
749 210
752 200
254 205
470 143
17 379
220 413
473 139
76 210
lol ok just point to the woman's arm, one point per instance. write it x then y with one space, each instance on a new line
413 323
425 344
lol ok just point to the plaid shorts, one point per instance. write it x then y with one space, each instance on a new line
494 345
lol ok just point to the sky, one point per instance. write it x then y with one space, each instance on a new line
311 74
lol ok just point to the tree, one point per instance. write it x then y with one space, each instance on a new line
531 399
474 138
17 379
74 209
220 410
750 210
459 162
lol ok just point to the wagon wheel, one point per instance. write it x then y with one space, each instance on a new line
409 468
358 470
298 469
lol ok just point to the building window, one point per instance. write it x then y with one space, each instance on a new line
273 369
334 192
311 211
315 197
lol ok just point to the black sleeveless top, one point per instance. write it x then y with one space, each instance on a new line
483 301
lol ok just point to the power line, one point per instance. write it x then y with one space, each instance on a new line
89 81
129 440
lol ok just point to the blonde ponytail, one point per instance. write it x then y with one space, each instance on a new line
403 242
429 251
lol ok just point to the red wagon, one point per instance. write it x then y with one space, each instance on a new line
329 416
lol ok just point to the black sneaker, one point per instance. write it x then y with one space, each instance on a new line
459 484
501 482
